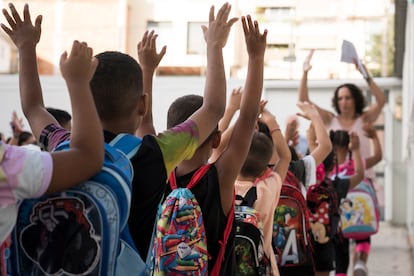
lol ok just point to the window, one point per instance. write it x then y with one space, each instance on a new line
163 29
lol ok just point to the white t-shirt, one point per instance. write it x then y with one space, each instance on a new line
24 173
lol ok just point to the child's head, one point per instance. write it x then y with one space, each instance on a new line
63 117
260 152
25 138
182 108
339 138
262 127
117 86
340 142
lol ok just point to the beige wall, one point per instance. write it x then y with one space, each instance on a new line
119 24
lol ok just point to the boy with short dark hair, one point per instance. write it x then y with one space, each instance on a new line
62 117
117 88
215 192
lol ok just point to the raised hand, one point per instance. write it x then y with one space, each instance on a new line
262 106
291 132
22 32
255 41
219 26
147 51
306 64
308 110
353 141
370 130
235 98
267 117
16 124
80 65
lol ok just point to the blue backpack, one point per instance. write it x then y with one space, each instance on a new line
82 230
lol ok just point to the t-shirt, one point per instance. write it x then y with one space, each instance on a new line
152 164
268 193
24 173
207 193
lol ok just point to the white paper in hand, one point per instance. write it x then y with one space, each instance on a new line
349 55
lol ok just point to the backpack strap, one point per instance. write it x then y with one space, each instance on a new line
266 174
127 143
249 199
194 179
223 243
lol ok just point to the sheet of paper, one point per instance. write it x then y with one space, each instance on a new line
350 55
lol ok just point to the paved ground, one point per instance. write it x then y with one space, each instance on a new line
391 254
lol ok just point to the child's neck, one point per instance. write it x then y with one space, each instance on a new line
341 155
246 178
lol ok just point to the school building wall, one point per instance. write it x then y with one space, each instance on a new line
282 96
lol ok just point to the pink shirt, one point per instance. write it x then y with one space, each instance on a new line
364 141
268 193
24 173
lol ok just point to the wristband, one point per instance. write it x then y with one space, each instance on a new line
368 79
273 130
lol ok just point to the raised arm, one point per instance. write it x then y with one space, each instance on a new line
304 92
149 60
16 125
25 36
358 175
214 103
374 110
377 150
85 156
232 159
291 131
232 107
282 152
323 142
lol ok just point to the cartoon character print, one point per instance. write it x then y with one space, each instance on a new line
318 220
60 237
281 225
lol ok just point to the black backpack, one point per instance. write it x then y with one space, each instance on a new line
249 240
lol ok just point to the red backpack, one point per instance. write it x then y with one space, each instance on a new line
322 201
291 228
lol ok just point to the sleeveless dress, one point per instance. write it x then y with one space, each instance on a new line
364 141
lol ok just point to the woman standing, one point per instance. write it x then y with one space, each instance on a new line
352 115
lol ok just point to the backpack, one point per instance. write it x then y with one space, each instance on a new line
291 226
360 212
249 239
82 230
179 244
322 201
4 253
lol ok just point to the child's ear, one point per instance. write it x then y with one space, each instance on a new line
143 105
216 139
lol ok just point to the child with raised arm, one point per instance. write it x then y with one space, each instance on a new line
29 174
215 192
303 171
117 88
342 143
363 246
255 172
